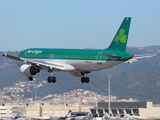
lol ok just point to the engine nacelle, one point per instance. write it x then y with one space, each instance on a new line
77 73
28 70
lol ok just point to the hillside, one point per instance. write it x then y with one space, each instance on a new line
140 80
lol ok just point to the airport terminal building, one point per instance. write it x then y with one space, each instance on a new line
146 110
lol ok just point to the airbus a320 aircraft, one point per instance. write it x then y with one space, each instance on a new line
130 117
61 117
79 62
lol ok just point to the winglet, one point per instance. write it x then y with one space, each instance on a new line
155 55
5 54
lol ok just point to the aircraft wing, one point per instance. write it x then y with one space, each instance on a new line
36 63
136 57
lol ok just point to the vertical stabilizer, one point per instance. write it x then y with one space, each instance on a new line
88 116
18 115
125 114
120 40
24 115
107 115
68 113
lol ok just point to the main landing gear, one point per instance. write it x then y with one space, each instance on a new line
85 79
51 78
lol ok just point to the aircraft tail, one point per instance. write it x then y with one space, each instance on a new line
24 115
107 115
125 114
18 115
88 115
68 113
120 40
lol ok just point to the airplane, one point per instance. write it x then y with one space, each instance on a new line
79 62
106 116
11 117
29 117
83 117
131 117
60 116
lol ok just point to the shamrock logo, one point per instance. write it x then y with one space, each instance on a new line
121 37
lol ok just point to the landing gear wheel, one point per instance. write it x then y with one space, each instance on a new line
30 78
49 79
87 79
83 79
54 79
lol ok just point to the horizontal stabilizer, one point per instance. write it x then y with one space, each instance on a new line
111 57
136 57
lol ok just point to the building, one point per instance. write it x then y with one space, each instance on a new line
143 109
45 109
146 110
5 109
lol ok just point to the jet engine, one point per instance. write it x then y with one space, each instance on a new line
77 73
28 70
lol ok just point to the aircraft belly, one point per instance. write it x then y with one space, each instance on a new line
80 65
83 65
95 66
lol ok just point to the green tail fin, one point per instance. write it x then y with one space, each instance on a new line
120 40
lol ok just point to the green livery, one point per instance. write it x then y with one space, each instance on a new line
120 40
76 54
117 47
79 62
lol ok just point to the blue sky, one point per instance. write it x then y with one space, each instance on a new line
76 23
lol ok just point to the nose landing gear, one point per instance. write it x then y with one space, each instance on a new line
30 78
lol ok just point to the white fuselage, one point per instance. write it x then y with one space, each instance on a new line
75 65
